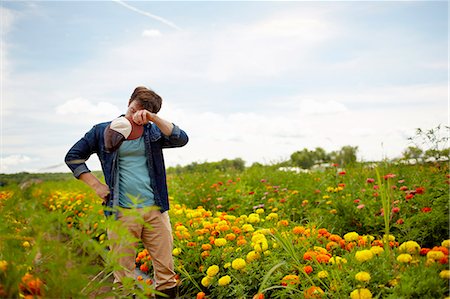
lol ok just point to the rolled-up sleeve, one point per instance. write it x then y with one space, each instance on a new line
178 138
80 152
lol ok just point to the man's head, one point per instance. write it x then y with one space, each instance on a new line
146 98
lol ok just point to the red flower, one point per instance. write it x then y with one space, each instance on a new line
395 210
376 187
420 190
308 269
409 196
342 173
424 251
357 200
426 209
370 180
335 165
400 221
403 188
389 176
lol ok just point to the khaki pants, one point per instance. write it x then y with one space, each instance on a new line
157 239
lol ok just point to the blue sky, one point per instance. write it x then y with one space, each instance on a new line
256 80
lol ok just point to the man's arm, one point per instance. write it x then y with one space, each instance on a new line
142 117
101 189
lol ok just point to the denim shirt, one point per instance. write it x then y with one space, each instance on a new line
155 141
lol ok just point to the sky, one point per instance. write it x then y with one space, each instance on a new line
252 80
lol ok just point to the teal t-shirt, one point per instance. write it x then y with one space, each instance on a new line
135 189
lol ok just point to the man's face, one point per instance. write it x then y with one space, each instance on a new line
133 107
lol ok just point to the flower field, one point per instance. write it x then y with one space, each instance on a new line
360 232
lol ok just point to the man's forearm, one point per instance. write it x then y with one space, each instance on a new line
165 126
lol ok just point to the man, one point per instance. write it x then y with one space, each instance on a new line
130 152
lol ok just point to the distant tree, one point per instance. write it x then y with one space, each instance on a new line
345 156
412 152
303 158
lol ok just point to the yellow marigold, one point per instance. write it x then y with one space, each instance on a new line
445 274
283 223
212 270
333 211
220 242
227 265
252 255
3 266
206 246
377 250
361 294
410 247
362 276
291 279
176 251
238 264
364 255
259 211
322 274
404 258
337 260
446 243
206 281
224 280
389 237
435 255
248 228
351 236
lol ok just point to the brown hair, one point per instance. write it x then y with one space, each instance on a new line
147 98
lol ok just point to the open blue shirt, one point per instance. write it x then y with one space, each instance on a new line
154 141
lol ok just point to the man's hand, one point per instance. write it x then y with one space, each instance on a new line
100 189
143 116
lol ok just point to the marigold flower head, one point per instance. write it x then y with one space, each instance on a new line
435 255
220 242
212 270
377 250
445 274
337 260
224 280
364 255
404 258
206 281
410 247
290 279
313 293
361 294
238 264
446 243
3 266
248 228
252 256
362 276
351 236
176 251
322 274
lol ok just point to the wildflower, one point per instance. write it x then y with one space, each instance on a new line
395 210
258 296
176 251
259 211
364 255
370 180
409 196
224 280
361 206
362 276
297 230
26 244
361 294
238 264
322 274
410 247
342 173
206 246
333 211
424 251
248 228
404 258
400 221
426 209
220 242
206 281
445 274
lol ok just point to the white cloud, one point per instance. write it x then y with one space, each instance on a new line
80 106
316 107
151 33
13 161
